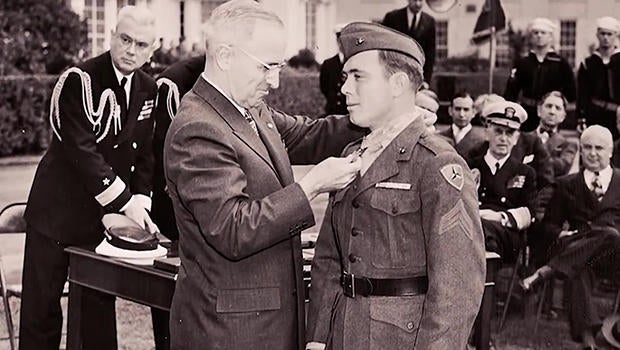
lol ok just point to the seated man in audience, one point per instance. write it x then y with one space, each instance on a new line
426 101
552 112
460 134
589 201
506 187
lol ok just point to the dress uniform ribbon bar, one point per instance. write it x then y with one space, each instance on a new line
353 285
609 106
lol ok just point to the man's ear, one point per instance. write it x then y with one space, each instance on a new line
399 83
223 57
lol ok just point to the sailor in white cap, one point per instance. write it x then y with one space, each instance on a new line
507 187
541 71
598 79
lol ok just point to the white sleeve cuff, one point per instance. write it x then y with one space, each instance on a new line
111 193
315 346
143 200
522 217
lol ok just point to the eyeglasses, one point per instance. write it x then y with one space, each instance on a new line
126 41
268 67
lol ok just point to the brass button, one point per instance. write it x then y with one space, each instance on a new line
409 325
134 145
394 209
402 150
503 199
355 204
133 168
355 232
352 258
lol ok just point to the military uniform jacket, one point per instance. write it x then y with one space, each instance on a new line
413 213
474 138
424 34
573 202
599 82
330 80
100 153
173 84
239 215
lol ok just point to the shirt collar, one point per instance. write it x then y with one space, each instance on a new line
410 15
491 161
237 106
383 136
603 175
120 76
457 130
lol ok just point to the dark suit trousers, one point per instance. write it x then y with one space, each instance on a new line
45 272
582 260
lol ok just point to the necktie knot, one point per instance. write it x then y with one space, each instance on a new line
123 82
497 166
597 187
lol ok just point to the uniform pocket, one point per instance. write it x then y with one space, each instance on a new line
395 228
394 321
248 300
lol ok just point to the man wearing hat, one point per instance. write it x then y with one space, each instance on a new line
330 80
506 187
541 71
400 257
598 79
589 201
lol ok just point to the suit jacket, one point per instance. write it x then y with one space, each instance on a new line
239 214
330 79
474 138
430 229
92 166
173 83
573 202
562 153
424 34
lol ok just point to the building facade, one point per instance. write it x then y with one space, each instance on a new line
310 23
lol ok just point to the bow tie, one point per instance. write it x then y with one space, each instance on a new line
549 131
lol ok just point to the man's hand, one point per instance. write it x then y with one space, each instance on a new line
137 213
331 174
490 215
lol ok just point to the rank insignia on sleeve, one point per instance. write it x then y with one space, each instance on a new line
453 173
517 182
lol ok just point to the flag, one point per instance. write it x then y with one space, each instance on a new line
492 15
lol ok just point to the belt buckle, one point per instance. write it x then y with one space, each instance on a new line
348 284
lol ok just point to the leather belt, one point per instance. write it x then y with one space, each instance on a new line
609 106
355 285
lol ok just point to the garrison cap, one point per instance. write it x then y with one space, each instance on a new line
357 37
506 113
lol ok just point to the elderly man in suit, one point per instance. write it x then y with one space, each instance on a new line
419 25
589 201
238 209
399 260
507 187
99 161
461 134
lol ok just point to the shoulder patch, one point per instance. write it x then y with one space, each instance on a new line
453 173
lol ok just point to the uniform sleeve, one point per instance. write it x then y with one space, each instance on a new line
513 84
204 173
455 253
326 288
309 141
142 177
521 217
80 146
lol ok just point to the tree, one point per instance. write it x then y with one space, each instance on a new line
39 36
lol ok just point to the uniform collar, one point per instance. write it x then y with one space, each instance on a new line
491 161
457 131
383 136
120 76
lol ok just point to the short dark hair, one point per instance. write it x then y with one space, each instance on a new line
394 62
460 94
554 93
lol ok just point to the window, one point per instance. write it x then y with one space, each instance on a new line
441 36
502 50
311 6
567 40
94 13
208 6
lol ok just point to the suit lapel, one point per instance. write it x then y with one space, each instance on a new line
386 164
402 20
231 116
614 187
275 146
136 100
587 194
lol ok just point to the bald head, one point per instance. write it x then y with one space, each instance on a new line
596 147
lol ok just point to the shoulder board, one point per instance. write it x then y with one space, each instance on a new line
433 144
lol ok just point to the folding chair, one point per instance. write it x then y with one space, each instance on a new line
12 222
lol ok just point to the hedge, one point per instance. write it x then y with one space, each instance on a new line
24 103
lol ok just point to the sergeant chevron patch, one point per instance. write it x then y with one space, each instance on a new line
453 173
456 217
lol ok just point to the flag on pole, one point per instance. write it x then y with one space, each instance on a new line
492 15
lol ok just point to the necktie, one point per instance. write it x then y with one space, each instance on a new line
597 187
412 26
248 117
496 168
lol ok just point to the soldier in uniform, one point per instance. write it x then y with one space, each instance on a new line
598 79
461 133
400 258
99 161
507 187
541 71
330 80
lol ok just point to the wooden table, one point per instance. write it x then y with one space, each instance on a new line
142 284
153 287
